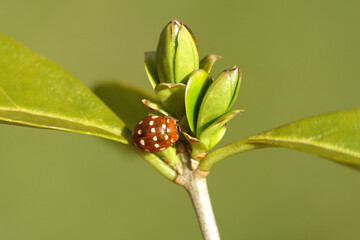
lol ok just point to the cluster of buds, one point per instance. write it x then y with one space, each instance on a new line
187 91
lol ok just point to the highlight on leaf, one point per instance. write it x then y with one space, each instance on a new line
36 92
335 136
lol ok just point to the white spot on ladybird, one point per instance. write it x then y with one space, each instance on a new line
166 137
164 126
156 145
153 117
139 132
152 130
168 120
162 149
142 142
141 122
151 123
172 140
155 138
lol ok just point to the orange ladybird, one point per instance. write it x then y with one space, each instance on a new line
156 133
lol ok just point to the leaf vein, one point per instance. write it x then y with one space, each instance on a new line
8 97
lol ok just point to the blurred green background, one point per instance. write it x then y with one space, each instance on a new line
299 58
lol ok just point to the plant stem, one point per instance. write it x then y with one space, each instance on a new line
155 162
195 184
199 194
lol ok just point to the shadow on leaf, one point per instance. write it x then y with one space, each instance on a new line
124 100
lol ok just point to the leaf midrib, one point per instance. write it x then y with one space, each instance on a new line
117 137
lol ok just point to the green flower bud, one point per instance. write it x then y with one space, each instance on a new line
219 98
176 54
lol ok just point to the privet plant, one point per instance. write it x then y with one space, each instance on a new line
36 92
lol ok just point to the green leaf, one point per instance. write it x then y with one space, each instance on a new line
335 136
235 77
215 132
125 100
187 56
207 62
154 107
151 69
36 92
198 149
196 88
215 102
165 52
172 96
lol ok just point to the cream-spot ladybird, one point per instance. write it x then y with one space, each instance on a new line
156 133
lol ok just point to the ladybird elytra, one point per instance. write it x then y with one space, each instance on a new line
155 133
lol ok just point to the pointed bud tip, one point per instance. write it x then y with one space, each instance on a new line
176 21
176 53
234 68
190 138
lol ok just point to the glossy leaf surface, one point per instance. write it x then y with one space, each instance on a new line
335 136
187 56
196 88
36 92
215 102
214 133
165 53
